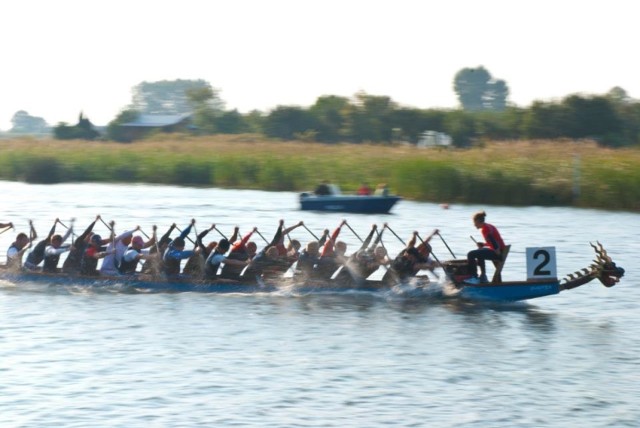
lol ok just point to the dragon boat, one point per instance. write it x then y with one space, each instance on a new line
541 282
456 272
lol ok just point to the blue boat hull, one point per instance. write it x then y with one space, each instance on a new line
510 291
348 204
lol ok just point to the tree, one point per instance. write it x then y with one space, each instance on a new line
24 123
288 123
231 122
174 96
83 130
372 118
330 113
477 90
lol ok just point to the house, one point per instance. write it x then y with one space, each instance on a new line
434 139
145 124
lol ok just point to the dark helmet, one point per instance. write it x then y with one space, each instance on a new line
96 239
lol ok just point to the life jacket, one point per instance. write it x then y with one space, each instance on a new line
73 261
88 263
36 256
230 271
14 262
51 263
128 267
403 266
212 266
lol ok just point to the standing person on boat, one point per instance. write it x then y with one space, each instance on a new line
491 249
93 252
133 255
53 251
175 253
120 243
72 263
36 256
217 257
19 247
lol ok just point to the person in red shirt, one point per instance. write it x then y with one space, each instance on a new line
491 249
364 190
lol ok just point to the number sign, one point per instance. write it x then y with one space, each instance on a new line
541 263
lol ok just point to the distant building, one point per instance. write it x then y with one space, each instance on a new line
434 139
147 123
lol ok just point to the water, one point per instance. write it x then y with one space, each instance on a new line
77 357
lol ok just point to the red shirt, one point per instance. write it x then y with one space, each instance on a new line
492 237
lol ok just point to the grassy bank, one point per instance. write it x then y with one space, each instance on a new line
507 173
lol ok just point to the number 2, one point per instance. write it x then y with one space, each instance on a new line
545 261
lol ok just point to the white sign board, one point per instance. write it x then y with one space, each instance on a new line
541 263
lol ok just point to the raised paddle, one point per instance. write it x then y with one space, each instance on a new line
218 230
353 231
309 230
396 235
446 245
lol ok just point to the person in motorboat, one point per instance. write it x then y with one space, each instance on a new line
491 249
323 189
364 190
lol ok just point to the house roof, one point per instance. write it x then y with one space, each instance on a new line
157 120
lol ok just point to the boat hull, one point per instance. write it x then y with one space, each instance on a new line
349 204
510 291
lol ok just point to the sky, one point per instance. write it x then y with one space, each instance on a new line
66 56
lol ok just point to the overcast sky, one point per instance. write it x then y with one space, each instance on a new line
65 56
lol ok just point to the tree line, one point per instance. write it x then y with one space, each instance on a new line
612 119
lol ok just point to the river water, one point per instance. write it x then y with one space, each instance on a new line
81 357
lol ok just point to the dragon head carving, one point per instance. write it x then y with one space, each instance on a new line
603 268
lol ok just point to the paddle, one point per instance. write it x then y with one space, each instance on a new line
446 245
395 234
309 230
218 230
262 236
353 231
